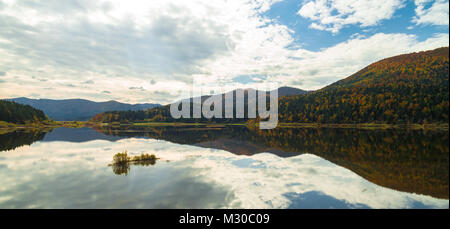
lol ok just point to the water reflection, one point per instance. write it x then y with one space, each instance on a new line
406 160
84 134
124 168
12 140
320 169
121 169
319 200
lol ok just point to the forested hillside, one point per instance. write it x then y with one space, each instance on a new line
78 109
411 88
17 113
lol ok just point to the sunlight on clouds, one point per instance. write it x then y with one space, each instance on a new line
164 40
318 69
435 14
333 15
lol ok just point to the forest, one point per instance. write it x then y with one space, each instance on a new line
410 88
12 112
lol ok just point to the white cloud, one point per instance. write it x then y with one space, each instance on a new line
432 13
111 41
333 15
314 70
346 58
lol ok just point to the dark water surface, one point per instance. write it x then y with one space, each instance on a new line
225 167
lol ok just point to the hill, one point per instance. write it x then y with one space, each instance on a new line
78 109
12 112
162 114
286 91
410 88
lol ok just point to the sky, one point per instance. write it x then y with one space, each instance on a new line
152 51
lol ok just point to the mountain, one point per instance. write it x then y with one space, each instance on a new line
409 88
282 91
163 113
18 113
286 91
78 109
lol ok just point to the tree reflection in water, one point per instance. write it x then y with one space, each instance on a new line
414 161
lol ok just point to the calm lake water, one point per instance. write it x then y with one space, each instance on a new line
225 167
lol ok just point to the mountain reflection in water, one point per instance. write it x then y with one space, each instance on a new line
406 160
412 161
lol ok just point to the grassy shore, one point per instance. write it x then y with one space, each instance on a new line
174 124
431 126
6 127
49 125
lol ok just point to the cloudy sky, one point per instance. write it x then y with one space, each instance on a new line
151 51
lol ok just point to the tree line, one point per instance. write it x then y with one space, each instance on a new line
20 114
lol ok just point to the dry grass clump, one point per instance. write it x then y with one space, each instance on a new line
122 161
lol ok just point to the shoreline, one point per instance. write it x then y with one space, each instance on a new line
46 127
431 126
8 127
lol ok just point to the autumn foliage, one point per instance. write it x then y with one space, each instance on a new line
411 88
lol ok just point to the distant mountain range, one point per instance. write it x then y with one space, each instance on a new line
78 109
162 113
82 110
282 91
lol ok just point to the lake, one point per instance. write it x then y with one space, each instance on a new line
225 167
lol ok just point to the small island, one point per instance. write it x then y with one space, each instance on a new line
122 161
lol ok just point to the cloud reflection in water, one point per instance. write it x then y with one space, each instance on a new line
75 175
